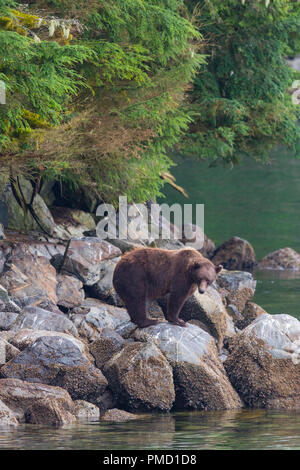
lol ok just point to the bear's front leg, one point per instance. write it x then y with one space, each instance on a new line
175 303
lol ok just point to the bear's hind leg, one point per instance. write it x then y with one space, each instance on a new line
137 311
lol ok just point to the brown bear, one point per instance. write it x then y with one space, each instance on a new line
149 273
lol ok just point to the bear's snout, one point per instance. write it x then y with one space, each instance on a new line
201 291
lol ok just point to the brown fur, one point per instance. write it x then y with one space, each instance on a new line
149 273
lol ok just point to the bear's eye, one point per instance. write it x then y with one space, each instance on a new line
196 266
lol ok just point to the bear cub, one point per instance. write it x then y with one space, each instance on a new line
150 273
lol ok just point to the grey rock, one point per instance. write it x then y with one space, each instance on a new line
84 258
141 378
285 258
86 411
235 254
7 319
35 318
7 418
100 316
264 362
69 291
236 287
199 376
57 361
37 403
106 346
104 289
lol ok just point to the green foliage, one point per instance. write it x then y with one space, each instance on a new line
240 100
105 107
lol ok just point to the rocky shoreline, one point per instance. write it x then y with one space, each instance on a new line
69 350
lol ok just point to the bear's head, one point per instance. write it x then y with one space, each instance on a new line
204 273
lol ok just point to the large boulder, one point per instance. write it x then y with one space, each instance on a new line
7 418
72 222
7 351
84 257
141 378
199 376
235 254
210 311
29 279
98 316
16 217
7 319
35 318
104 289
285 258
106 346
264 363
69 291
37 403
26 337
57 361
236 288
249 314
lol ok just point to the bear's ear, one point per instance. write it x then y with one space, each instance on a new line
219 268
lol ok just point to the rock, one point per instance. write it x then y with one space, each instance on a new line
124 245
37 403
7 418
73 222
84 258
118 416
167 244
57 361
141 378
25 338
106 346
106 401
2 235
48 412
16 218
100 316
264 362
199 376
249 314
86 411
235 254
35 318
29 279
69 291
7 351
3 295
285 258
208 309
104 289
236 287
7 319
194 236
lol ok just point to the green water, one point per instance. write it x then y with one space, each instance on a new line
243 429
